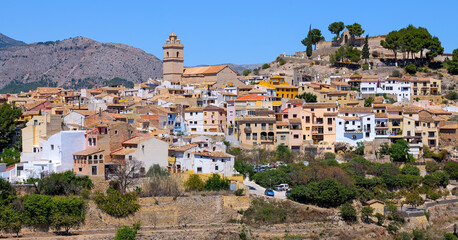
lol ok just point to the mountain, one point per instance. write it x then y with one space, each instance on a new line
74 63
6 41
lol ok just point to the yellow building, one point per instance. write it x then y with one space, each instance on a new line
282 88
426 89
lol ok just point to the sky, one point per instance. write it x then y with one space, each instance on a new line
214 32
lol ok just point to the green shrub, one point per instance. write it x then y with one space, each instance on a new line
432 166
326 193
396 73
282 61
410 169
411 69
117 204
365 66
270 178
263 212
125 233
239 192
265 66
348 212
7 192
216 183
246 72
66 183
438 178
67 212
243 168
194 183
37 210
451 168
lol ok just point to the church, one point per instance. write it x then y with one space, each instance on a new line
173 70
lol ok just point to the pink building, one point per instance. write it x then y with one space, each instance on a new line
214 119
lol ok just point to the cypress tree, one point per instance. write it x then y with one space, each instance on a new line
309 43
365 53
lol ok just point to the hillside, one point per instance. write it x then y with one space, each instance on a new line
74 63
6 41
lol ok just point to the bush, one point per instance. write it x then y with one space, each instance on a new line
37 210
411 69
265 66
365 66
348 212
438 178
246 72
432 166
375 54
161 186
326 193
410 169
66 183
194 183
117 204
270 178
452 169
157 170
216 183
11 220
262 212
239 192
125 233
67 212
243 168
396 73
451 95
7 192
282 61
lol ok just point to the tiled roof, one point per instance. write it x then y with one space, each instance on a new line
355 110
194 109
88 151
294 121
183 148
393 108
319 105
123 151
136 140
280 123
85 112
213 108
349 118
204 70
395 116
251 97
217 154
381 115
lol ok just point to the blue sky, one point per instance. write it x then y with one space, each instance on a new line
215 32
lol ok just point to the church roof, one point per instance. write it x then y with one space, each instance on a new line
204 70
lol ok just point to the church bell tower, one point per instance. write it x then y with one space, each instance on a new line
172 59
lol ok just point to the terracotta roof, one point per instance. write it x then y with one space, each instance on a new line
340 84
349 118
194 109
88 151
136 140
374 201
393 108
118 116
123 151
150 117
412 109
85 112
381 115
440 112
337 93
183 148
217 154
355 110
250 97
296 101
204 70
448 125
213 108
256 119
395 116
319 105
330 114
378 100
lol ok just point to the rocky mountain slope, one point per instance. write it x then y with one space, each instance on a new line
75 63
6 41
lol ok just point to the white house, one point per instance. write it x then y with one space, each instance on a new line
397 86
213 162
194 119
355 125
75 118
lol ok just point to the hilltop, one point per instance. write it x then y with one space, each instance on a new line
74 63
6 41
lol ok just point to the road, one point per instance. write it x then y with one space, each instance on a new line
254 188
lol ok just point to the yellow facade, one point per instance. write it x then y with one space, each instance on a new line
282 88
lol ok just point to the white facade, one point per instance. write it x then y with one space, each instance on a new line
194 121
206 163
368 87
74 118
357 128
150 152
399 88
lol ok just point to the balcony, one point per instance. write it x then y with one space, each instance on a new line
381 126
317 132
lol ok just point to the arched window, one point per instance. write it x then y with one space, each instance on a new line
178 54
101 157
95 157
167 54
90 157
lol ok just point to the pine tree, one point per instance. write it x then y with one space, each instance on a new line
365 53
309 43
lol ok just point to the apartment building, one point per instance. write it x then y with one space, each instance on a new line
257 131
356 124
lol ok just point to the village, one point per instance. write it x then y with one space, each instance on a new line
202 121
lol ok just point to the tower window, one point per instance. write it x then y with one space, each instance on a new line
178 54
167 54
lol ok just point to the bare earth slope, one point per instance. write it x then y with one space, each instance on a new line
76 58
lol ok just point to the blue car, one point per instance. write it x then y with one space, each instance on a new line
269 192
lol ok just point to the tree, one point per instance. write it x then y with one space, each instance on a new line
399 152
366 213
451 168
117 204
380 218
308 97
435 48
126 172
9 120
37 210
7 192
194 183
11 220
216 183
265 66
348 212
396 74
365 53
355 30
452 65
67 212
360 148
336 28
326 193
10 156
243 168
66 183
313 37
411 69
368 101
125 233
410 169
392 42
432 166
413 198
283 152
246 72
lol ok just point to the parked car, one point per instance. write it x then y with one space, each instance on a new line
279 187
269 192
284 186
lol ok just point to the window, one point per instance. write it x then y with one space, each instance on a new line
367 134
199 170
101 157
116 132
52 147
94 170
354 137
307 119
216 168
283 137
80 169
296 136
329 120
95 157
130 157
330 129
